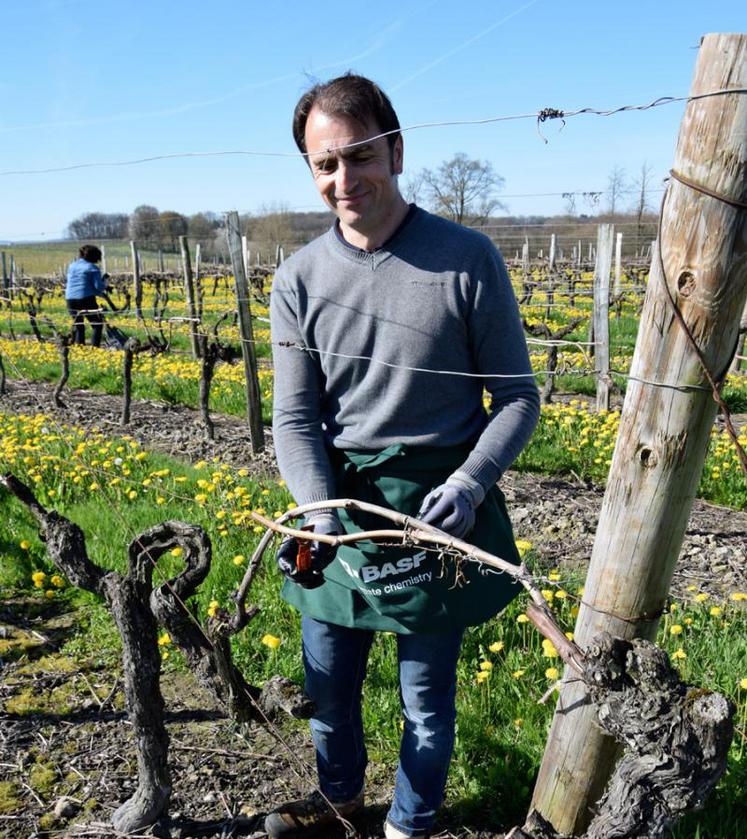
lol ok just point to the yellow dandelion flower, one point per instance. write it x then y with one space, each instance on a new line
482 675
496 646
164 639
679 654
132 495
517 674
522 618
177 551
554 576
523 547
702 597
24 544
271 641
676 629
518 722
715 611
49 593
548 594
548 649
486 665
552 673
743 684
57 581
212 608
738 596
239 559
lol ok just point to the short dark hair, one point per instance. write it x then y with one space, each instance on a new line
352 96
90 253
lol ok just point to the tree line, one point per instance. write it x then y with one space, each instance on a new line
463 189
152 228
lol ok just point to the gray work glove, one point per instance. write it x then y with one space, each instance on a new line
319 554
451 506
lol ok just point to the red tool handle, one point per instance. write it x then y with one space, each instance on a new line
303 557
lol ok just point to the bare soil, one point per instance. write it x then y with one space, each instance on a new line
63 732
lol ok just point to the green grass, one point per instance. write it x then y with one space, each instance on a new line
36 258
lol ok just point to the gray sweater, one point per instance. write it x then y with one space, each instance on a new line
437 297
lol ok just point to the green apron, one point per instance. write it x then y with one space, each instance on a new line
408 589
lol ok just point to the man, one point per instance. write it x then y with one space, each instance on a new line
84 282
385 332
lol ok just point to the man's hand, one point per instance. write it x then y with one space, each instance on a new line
303 562
451 506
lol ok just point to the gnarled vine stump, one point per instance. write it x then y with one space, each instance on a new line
137 609
676 740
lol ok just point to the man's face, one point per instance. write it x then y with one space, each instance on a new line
359 184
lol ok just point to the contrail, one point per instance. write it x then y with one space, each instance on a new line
462 46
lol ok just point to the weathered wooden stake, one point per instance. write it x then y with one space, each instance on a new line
656 467
199 291
136 281
605 236
189 293
245 254
5 272
616 288
253 397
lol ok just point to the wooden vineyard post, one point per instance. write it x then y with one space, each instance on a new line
245 254
699 267
6 284
136 281
103 259
189 293
601 315
617 287
253 397
736 362
198 285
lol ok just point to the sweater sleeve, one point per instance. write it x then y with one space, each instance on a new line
297 415
498 345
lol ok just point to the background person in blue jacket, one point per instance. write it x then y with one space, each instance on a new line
84 282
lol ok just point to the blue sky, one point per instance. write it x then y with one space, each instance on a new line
102 81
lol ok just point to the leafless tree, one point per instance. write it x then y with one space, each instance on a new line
642 186
99 226
413 188
462 189
617 184
270 226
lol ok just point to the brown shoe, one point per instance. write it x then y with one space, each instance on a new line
310 816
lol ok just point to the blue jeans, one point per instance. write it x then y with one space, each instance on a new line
335 659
